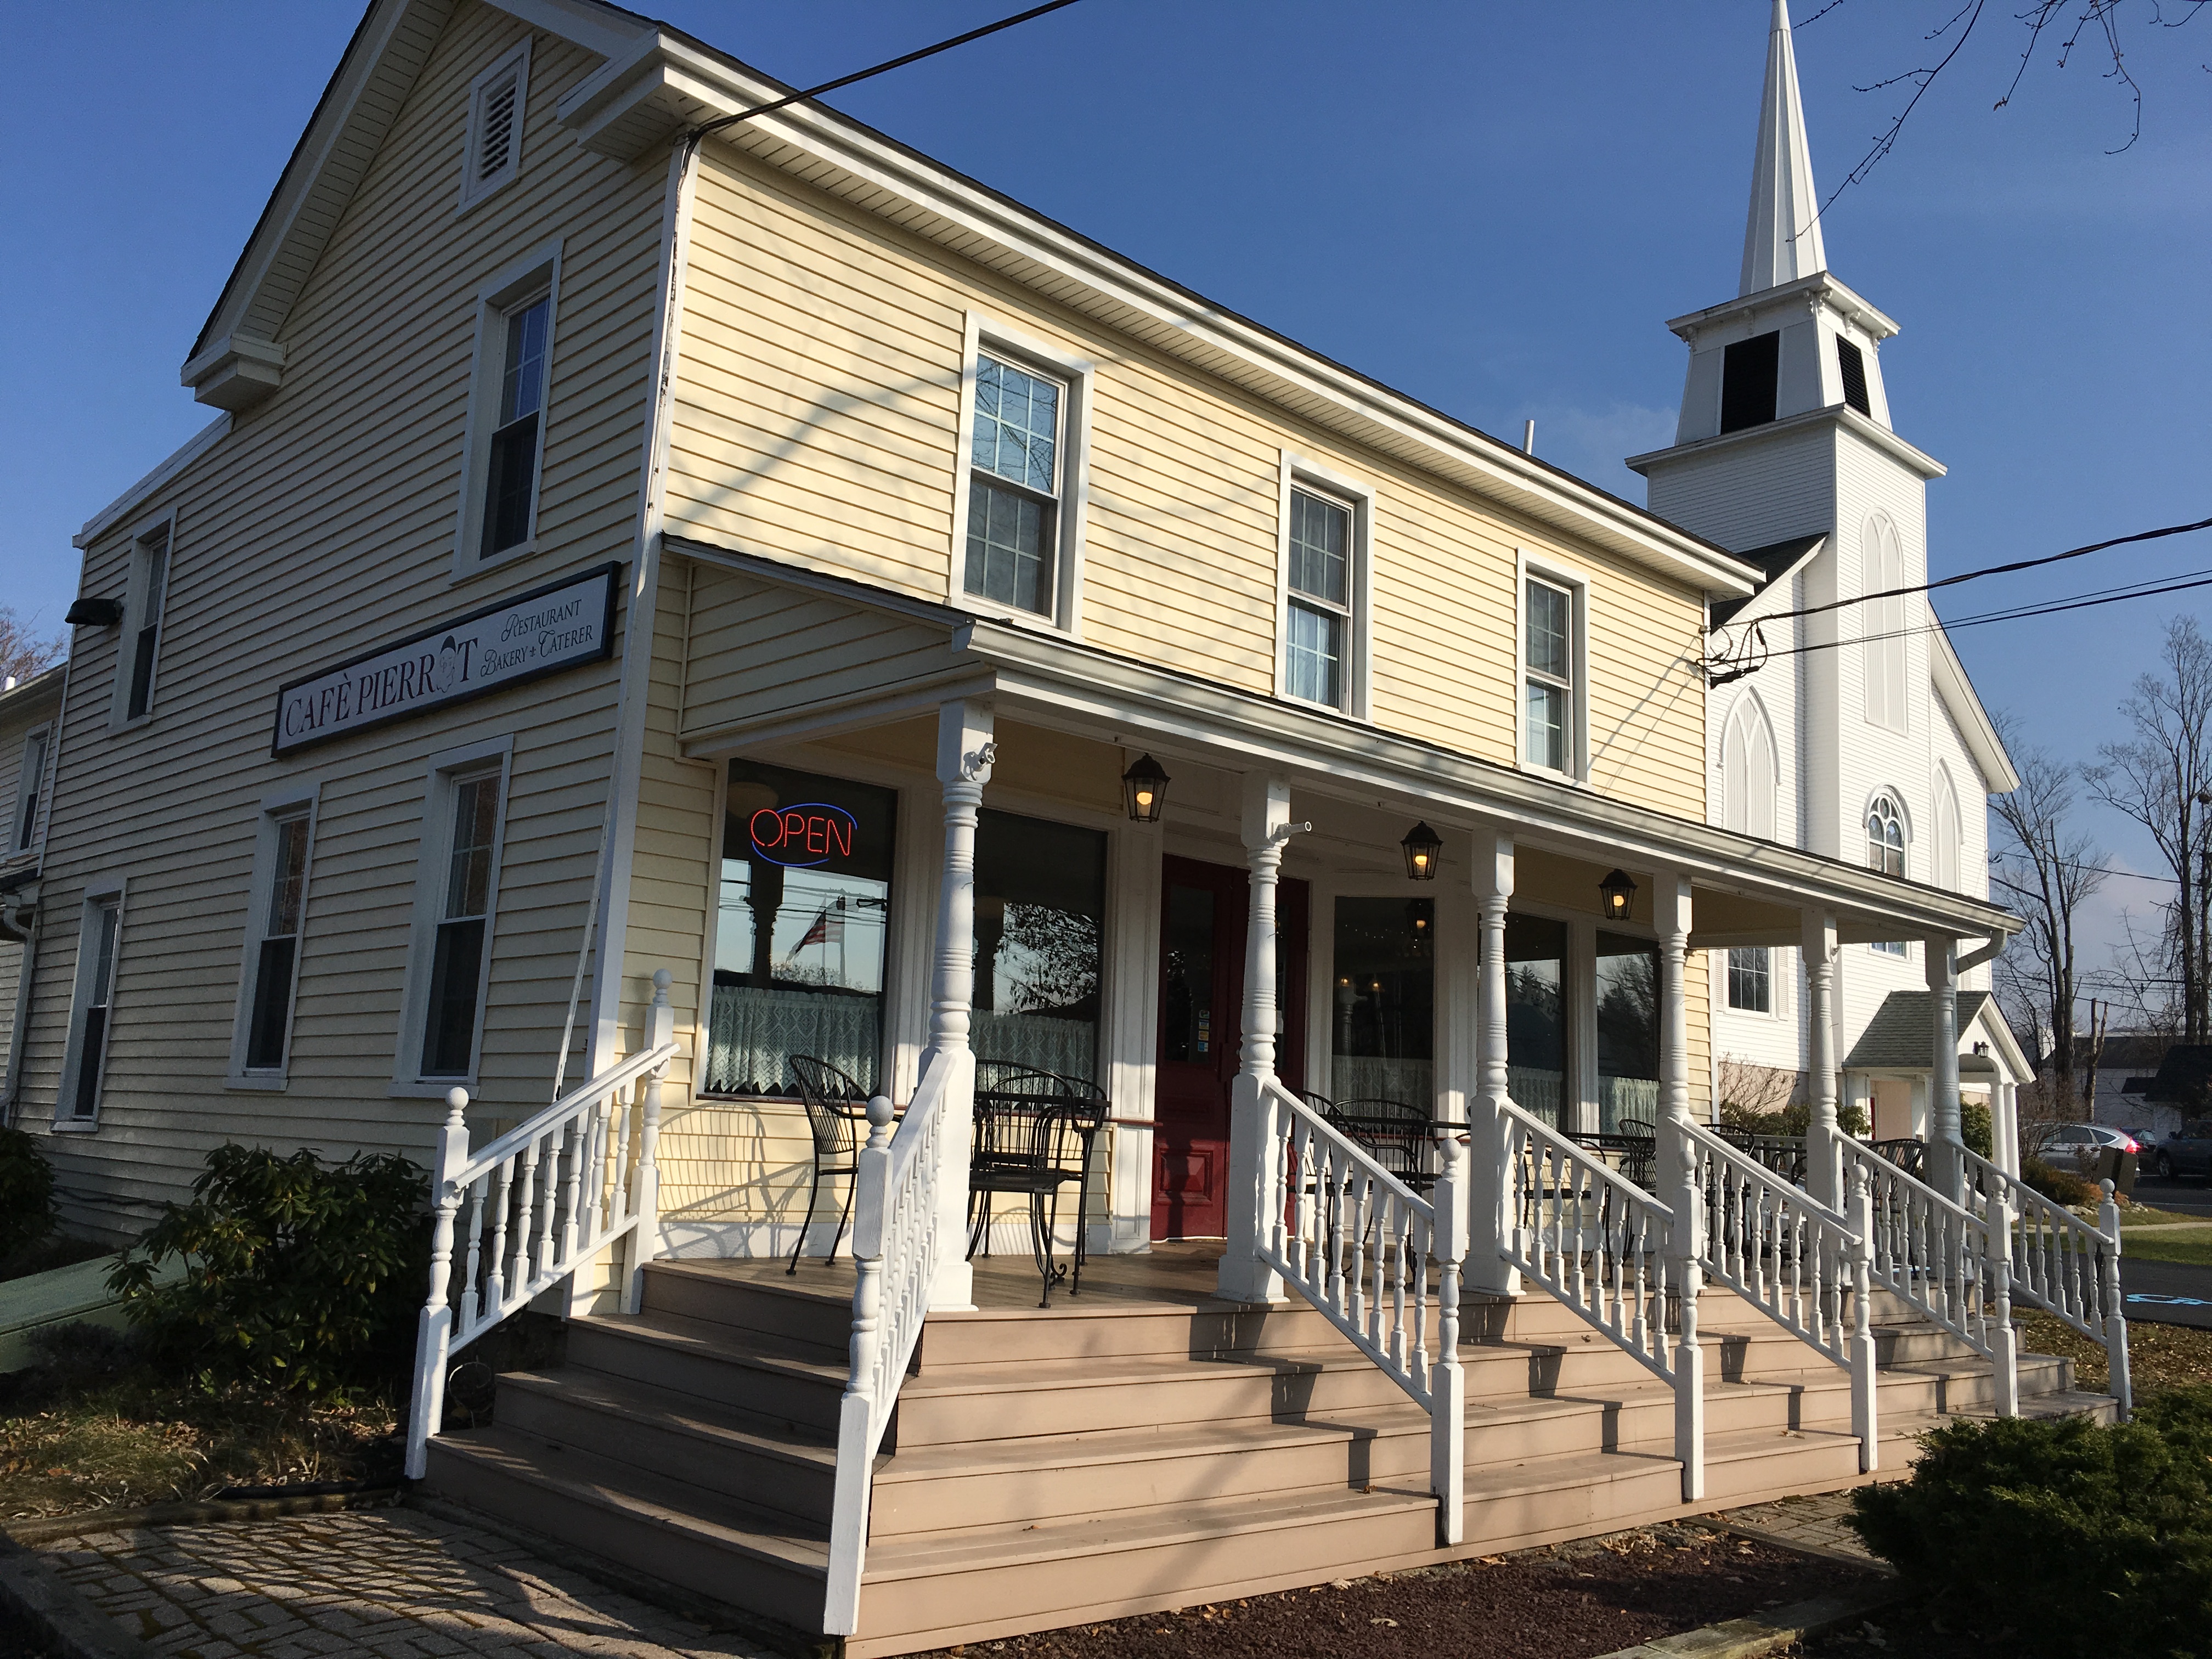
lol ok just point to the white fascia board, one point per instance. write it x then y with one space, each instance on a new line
1775 595
1990 1019
44 686
607 30
129 500
1817 288
1841 415
682 85
1975 726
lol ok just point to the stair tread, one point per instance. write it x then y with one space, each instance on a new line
732 1343
658 1500
682 1413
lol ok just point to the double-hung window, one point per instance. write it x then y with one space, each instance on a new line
86 1059
1548 676
142 636
30 789
1318 628
1750 979
275 960
452 1010
511 478
1014 464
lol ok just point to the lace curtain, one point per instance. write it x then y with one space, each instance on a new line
1069 1047
1354 1077
751 1032
1626 1097
1536 1091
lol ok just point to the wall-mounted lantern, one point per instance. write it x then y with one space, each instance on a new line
1424 849
1619 895
1145 789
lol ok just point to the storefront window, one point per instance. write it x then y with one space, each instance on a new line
1627 1032
1536 1015
1385 1042
799 946
1040 907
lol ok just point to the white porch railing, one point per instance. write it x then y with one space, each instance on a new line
1939 1258
896 1241
1606 1248
546 1198
2059 1262
1360 1244
1801 1264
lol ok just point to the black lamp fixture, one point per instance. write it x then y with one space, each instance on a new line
1145 789
1424 849
1619 895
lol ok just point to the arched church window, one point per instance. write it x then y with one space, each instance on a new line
1881 569
1944 853
1748 772
1885 836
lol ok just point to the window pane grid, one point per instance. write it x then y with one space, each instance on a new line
1320 555
1751 981
457 955
1314 670
1009 547
1017 425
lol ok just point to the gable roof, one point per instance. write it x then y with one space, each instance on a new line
1778 562
2184 1076
1901 1035
657 81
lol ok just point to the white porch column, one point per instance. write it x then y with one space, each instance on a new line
1947 1170
2007 1114
965 753
1678 1175
1823 1161
1243 1277
1488 1190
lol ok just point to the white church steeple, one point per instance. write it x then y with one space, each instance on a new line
1782 240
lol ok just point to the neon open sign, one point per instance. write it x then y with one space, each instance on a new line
811 833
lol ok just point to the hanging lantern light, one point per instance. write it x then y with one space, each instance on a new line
1423 848
1145 789
1620 894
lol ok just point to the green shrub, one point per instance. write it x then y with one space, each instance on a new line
1976 1128
2084 1539
298 1276
26 1193
2059 1185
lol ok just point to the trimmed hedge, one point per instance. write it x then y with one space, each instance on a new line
2084 1539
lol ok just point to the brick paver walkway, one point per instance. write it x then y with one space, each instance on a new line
392 1583
1809 1523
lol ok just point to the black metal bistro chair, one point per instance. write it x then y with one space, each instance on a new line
837 1116
1910 1154
1395 1134
1036 1132
1631 1147
1784 1154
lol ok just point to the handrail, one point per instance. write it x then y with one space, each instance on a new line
1939 1259
1801 1264
1609 1250
1360 1244
581 1189
896 1242
2060 1263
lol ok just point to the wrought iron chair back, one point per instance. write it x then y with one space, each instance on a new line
1395 1134
1784 1154
1909 1154
1632 1148
1035 1133
837 1118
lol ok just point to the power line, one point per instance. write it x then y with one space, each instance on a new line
1994 571
720 122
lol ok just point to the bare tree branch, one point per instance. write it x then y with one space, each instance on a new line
23 652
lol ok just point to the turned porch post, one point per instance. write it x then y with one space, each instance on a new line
965 753
1679 1185
1947 1170
1488 1187
1823 1157
1242 1276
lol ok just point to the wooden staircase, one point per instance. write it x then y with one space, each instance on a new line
1139 1448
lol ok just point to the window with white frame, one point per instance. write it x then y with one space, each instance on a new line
1750 979
1547 657
84 1067
1016 460
1885 827
149 583
465 883
273 933
510 507
1318 631
30 789
494 153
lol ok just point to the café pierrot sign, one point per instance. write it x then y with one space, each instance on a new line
549 628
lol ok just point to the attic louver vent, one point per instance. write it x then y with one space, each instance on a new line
496 100
495 134
1853 367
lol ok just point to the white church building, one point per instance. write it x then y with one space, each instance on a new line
1840 720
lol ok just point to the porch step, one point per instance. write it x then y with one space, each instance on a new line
676 1532
771 1376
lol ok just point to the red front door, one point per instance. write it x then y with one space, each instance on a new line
1203 908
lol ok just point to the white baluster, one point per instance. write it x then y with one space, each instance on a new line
434 1328
2114 1323
475 1233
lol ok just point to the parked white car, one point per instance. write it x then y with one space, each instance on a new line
2078 1147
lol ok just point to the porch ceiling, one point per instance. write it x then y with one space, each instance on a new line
1751 891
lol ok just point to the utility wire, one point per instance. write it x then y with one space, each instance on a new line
720 122
1994 571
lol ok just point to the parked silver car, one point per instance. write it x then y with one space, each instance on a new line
2078 1147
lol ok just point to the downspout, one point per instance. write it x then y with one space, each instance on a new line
626 770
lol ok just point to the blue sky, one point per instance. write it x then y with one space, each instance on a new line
1492 207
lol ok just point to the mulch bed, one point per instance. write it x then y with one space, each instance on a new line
1570 1601
1916 1632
